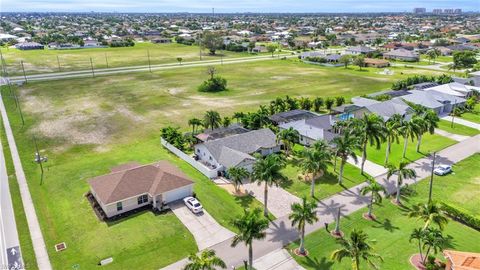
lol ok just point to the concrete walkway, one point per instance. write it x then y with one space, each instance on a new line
373 169
204 228
462 122
280 232
279 200
452 136
277 260
33 225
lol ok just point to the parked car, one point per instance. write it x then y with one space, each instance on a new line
193 204
442 170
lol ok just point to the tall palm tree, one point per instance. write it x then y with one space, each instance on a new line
356 247
237 174
402 173
251 226
391 132
418 234
303 213
206 261
409 129
194 122
267 171
288 137
315 160
345 146
238 116
212 119
370 130
427 122
429 213
374 190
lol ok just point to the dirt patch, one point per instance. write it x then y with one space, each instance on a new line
280 78
231 189
175 91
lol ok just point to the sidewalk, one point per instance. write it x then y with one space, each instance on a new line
462 122
35 232
452 136
373 169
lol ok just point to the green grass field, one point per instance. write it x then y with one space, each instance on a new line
457 128
473 116
430 143
85 126
42 61
325 186
392 228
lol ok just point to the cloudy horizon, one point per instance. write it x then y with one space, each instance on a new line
223 6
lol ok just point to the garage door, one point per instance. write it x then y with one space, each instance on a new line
177 194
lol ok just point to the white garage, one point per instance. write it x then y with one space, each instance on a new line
177 194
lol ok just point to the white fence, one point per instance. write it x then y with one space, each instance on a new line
197 165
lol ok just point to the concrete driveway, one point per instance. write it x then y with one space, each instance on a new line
206 231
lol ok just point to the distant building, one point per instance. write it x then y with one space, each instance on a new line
437 11
419 10
448 11
29 46
458 11
402 55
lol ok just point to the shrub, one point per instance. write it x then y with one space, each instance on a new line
461 216
215 84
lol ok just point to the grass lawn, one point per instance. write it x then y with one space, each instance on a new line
86 126
393 228
441 58
41 61
473 116
429 144
457 128
325 186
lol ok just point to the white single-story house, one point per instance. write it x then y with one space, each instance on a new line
402 54
455 89
236 150
440 102
385 109
131 186
312 129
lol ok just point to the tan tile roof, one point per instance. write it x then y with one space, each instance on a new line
463 260
153 179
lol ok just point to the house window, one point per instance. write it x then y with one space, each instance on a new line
142 199
119 206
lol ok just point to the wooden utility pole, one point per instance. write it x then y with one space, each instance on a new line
453 113
431 179
24 74
91 65
149 64
39 159
19 107
58 62
106 59
200 45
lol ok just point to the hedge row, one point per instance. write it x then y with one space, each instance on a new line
461 216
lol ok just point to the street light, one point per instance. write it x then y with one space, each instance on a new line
39 159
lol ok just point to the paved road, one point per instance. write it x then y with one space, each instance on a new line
33 225
10 253
281 233
119 70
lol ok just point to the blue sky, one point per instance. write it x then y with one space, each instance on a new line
232 6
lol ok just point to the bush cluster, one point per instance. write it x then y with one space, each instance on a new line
461 216
215 84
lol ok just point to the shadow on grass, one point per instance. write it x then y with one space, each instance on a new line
321 264
245 201
386 225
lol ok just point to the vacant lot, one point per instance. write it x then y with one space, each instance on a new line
392 229
41 61
86 126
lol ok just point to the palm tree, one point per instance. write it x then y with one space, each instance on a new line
288 137
409 129
427 122
429 213
251 226
238 116
212 119
303 213
391 132
374 190
267 170
237 174
194 122
315 160
371 131
345 146
206 261
418 234
402 173
357 247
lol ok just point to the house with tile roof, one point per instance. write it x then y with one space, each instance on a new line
132 185
237 150
313 129
458 260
